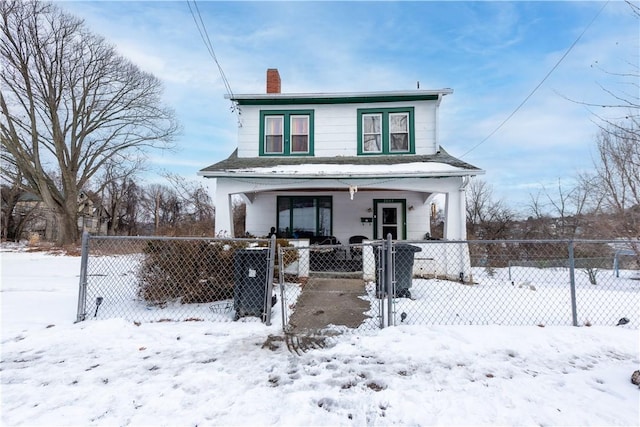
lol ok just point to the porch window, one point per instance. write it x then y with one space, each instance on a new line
386 131
286 133
304 216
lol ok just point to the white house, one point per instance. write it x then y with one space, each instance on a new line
315 165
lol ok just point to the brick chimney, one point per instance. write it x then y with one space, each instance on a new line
273 80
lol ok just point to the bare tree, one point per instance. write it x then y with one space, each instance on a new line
152 204
10 192
181 208
196 207
69 104
239 217
437 219
119 197
565 212
618 176
487 218
625 96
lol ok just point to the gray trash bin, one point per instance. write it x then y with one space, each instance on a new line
250 282
403 263
404 268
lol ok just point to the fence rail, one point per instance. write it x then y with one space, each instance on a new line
361 286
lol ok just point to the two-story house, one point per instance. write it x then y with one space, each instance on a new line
314 165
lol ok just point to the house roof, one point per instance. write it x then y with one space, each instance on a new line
338 98
440 164
29 197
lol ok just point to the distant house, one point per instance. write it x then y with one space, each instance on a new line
32 216
92 216
40 220
340 165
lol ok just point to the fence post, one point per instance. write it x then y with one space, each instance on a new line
572 284
283 304
381 280
82 287
389 274
270 270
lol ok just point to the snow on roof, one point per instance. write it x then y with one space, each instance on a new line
415 168
439 164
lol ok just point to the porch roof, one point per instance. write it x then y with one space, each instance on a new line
441 164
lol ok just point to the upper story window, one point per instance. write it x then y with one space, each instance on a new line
286 133
273 134
386 131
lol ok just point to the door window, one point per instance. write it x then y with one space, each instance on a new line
389 218
390 222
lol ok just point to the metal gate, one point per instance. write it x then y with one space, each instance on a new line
333 289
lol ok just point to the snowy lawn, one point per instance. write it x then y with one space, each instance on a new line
114 372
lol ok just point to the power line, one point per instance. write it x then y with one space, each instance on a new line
202 29
539 84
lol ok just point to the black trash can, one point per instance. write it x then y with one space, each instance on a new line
250 282
404 268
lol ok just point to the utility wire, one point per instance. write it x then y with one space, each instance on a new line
539 84
202 29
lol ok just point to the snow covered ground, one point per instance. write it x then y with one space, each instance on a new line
114 372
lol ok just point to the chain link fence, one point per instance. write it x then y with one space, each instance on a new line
176 279
364 286
542 283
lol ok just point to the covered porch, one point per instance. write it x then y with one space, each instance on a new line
365 197
342 209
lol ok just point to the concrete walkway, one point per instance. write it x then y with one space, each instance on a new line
329 301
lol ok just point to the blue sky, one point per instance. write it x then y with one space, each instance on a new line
492 54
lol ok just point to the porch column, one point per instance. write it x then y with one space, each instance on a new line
224 210
455 227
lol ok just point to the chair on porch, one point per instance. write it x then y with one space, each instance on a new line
356 251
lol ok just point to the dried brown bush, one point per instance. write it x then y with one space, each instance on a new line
187 271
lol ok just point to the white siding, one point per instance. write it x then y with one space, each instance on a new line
336 127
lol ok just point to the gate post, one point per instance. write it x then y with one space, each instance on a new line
82 288
389 275
270 270
281 285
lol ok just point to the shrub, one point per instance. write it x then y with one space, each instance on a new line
188 271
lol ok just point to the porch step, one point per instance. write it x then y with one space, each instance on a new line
336 274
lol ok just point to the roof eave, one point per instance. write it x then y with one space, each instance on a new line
339 95
271 175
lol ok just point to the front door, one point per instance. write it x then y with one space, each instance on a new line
390 216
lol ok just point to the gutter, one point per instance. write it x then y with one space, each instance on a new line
271 175
330 95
